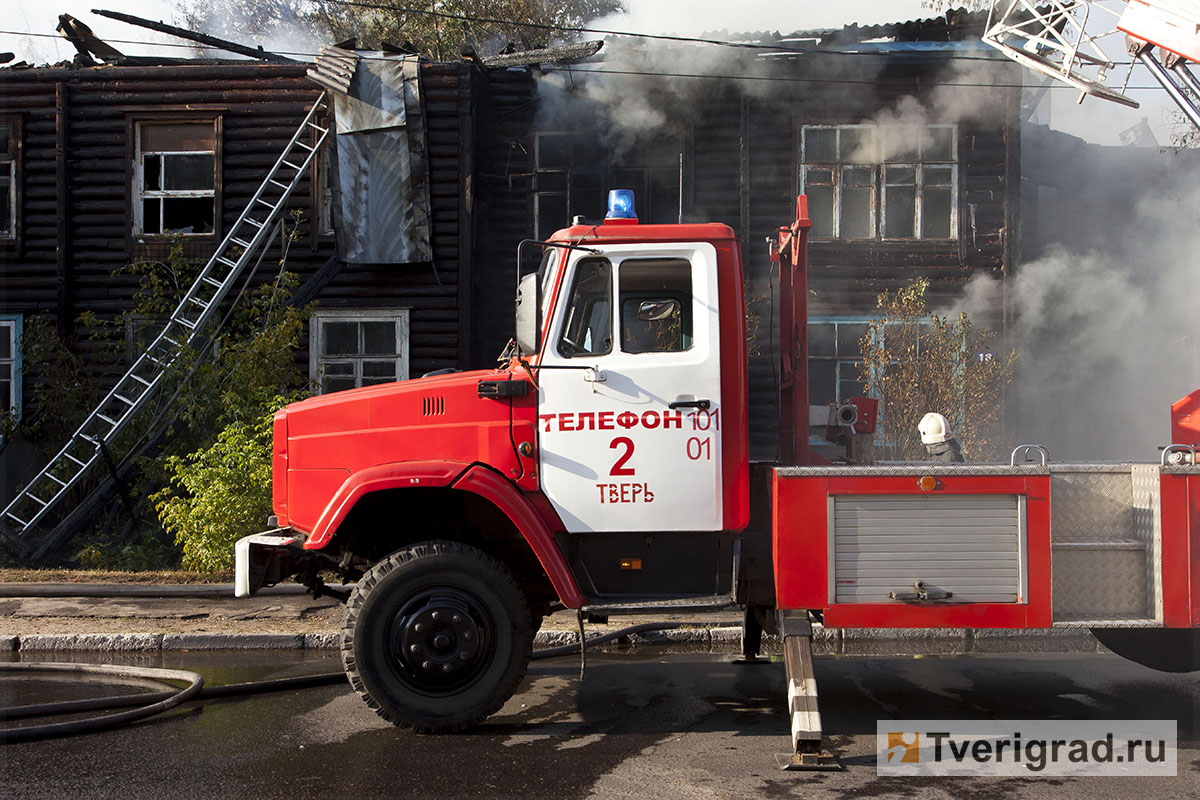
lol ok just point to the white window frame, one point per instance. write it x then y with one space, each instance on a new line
879 171
11 327
140 192
316 342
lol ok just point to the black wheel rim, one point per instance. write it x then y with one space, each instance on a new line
441 640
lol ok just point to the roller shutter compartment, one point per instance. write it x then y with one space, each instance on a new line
972 546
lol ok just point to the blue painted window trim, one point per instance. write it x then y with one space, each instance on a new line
18 328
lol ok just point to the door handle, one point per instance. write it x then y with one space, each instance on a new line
701 404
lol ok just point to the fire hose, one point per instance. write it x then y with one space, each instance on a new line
152 703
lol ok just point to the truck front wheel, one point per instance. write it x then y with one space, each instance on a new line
436 637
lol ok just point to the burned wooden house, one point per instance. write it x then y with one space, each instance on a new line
908 157
905 139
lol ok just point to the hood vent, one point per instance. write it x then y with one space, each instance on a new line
433 406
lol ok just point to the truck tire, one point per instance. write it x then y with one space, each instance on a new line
436 637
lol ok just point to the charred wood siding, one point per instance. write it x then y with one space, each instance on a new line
259 107
503 195
28 282
744 171
430 290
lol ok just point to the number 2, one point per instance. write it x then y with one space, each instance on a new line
619 468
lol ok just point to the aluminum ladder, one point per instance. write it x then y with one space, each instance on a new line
246 237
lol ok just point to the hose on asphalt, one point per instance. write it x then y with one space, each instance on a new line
194 680
152 703
205 693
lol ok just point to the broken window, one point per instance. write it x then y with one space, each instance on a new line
834 356
10 362
175 180
322 186
574 174
8 180
880 182
348 349
140 332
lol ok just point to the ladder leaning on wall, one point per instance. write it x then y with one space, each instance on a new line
195 313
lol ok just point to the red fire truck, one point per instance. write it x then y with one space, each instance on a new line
608 459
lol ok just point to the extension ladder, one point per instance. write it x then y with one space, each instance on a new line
195 311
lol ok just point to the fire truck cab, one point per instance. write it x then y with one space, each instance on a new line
605 459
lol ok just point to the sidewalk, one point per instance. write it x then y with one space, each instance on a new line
48 617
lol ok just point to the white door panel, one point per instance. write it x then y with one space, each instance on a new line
615 456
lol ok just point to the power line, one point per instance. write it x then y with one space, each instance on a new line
642 73
608 32
791 79
776 48
146 42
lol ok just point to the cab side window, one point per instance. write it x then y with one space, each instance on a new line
656 305
587 324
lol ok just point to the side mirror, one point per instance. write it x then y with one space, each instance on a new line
529 305
657 310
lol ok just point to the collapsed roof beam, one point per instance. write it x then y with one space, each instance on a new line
544 55
201 38
87 43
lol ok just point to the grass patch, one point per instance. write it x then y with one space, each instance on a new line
151 577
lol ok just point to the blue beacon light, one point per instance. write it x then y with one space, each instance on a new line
620 205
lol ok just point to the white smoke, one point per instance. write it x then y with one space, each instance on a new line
1107 333
1103 314
48 47
964 92
698 17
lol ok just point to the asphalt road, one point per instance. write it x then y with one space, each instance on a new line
660 726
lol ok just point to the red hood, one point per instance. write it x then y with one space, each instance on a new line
439 418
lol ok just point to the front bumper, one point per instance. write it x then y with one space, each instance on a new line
265 559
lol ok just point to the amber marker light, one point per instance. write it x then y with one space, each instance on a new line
927 483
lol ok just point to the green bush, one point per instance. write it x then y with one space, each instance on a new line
219 494
916 361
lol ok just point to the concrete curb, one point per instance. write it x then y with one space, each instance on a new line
128 590
857 642
97 642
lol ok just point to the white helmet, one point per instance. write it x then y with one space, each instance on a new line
933 428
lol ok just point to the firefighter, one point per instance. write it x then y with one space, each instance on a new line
939 443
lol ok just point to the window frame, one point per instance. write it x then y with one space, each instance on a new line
686 301
13 122
321 194
569 307
316 340
636 171
141 330
13 327
838 359
880 183
136 183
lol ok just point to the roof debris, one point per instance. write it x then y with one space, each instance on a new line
201 38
